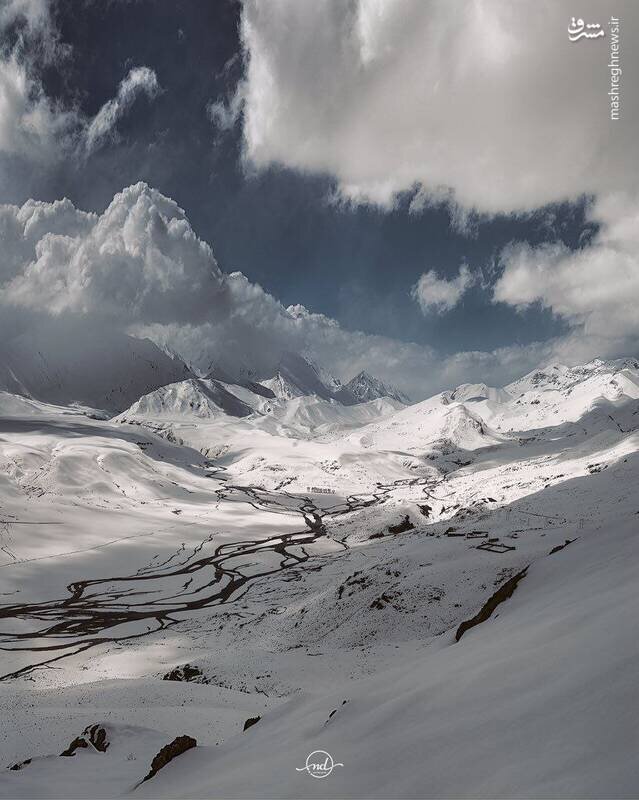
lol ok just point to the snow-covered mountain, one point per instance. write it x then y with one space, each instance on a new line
195 397
296 376
364 387
469 392
63 364
272 576
557 377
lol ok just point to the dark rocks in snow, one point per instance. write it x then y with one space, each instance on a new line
77 743
402 527
20 764
187 672
94 735
561 546
383 600
170 751
250 722
503 593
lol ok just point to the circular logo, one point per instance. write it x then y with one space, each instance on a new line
319 764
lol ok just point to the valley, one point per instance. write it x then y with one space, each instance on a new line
168 571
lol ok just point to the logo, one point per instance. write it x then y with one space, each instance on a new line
578 29
319 764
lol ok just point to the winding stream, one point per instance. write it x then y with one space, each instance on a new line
126 607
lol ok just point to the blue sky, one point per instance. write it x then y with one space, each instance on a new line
292 227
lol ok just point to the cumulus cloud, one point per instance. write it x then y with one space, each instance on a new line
140 80
487 99
139 268
595 288
439 295
139 261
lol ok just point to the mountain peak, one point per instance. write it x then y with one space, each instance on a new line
365 387
298 377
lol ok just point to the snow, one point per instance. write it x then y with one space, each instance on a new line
296 377
299 377
307 553
67 363
195 397
365 387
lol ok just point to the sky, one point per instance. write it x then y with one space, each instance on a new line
433 194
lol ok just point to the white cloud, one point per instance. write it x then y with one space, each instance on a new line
596 288
35 13
439 295
139 261
138 267
487 97
33 127
140 80
225 113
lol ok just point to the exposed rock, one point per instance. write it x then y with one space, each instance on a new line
249 722
503 593
404 525
187 672
98 737
561 546
75 745
20 764
170 751
94 735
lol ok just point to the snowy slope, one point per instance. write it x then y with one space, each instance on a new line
296 377
433 424
523 706
364 387
103 369
469 392
195 397
311 562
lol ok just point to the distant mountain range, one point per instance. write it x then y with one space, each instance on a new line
64 363
299 377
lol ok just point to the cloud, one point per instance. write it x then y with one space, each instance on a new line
225 113
140 80
37 132
595 288
139 268
33 13
21 229
139 261
489 101
31 126
438 295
